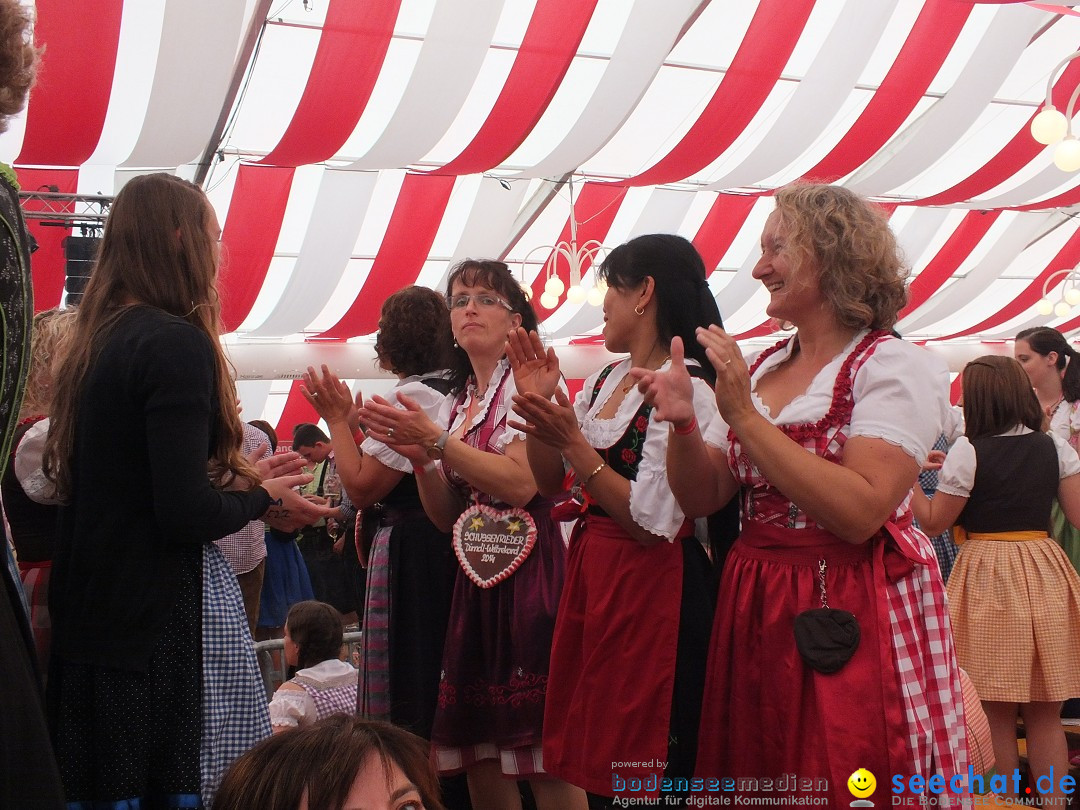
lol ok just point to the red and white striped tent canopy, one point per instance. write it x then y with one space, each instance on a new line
355 146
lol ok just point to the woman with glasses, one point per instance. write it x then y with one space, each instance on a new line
474 478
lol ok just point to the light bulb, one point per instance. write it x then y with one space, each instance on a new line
595 297
554 285
1061 309
527 289
1072 296
1044 307
576 294
1049 126
1067 154
549 301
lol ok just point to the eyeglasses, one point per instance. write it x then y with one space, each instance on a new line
483 300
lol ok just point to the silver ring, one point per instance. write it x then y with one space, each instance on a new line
314 394
728 362
390 432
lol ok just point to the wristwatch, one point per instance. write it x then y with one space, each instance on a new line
436 450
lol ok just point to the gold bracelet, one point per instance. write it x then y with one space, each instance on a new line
592 475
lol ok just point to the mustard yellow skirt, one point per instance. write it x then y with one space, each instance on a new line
1015 609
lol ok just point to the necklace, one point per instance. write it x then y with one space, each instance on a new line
632 382
1053 408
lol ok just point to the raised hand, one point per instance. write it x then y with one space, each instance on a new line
732 376
553 423
671 391
399 426
536 370
329 396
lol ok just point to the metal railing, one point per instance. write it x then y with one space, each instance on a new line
275 673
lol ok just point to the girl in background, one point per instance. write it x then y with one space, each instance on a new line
1047 358
1012 588
324 684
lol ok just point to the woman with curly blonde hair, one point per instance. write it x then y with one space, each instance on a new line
831 649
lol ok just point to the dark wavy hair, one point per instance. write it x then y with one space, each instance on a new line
683 298
1043 340
494 275
321 762
414 332
315 628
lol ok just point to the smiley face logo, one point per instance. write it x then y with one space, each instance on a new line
861 783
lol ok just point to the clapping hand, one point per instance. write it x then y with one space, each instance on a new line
329 396
671 392
536 370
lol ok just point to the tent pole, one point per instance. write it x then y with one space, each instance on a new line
243 63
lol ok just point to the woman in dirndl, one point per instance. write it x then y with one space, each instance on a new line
1013 594
1052 366
490 715
831 648
618 694
153 686
410 563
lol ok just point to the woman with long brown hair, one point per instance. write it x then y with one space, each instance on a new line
147 617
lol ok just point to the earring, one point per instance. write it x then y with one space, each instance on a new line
639 310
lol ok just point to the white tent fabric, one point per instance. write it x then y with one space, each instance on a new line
338 132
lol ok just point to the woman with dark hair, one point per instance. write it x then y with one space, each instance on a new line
410 563
1050 363
323 684
822 437
489 720
1012 589
634 559
335 764
154 686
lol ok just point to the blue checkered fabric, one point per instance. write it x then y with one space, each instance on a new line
944 547
235 714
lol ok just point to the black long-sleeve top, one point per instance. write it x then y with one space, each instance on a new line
141 502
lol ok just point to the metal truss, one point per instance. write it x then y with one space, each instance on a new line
66 210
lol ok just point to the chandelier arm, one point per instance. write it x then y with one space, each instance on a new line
1053 75
1054 275
1071 109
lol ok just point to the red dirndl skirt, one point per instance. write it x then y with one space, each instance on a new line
769 716
613 659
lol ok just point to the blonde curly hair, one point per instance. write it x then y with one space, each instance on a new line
863 274
18 59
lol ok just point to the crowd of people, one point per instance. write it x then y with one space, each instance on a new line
748 591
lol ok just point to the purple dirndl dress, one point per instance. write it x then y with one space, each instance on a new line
498 642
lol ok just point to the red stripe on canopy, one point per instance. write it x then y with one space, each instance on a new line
955 389
47 262
350 57
765 49
721 225
1012 157
956 248
67 106
929 42
595 210
418 212
1068 256
250 236
297 410
551 40
1062 200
